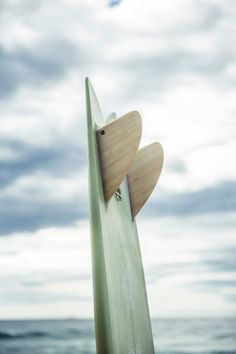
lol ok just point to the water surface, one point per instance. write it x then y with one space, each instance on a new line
171 336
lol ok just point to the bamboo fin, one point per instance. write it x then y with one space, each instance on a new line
144 174
118 145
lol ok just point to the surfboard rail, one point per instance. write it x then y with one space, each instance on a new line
122 319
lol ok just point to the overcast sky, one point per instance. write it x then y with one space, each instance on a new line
175 62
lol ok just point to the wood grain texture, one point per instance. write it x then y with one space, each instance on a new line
144 174
118 145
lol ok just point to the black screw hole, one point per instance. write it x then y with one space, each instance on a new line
102 132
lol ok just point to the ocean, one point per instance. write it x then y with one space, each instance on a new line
171 336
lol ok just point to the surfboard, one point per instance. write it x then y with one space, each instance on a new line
122 319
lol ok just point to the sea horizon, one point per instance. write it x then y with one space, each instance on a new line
71 318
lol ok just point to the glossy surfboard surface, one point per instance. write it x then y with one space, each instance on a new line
122 319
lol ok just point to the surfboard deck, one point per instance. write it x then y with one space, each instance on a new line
122 320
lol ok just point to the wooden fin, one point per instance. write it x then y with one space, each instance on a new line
144 174
118 145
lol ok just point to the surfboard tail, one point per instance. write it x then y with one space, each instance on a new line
121 179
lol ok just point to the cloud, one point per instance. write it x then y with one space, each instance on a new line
41 186
37 297
51 266
206 270
42 202
172 60
34 206
221 260
114 2
218 198
176 166
163 270
46 62
30 214
24 159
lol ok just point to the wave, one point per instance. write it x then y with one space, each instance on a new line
72 332
30 334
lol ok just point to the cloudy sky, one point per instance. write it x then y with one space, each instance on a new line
175 62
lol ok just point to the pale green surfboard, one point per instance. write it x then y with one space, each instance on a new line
122 319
